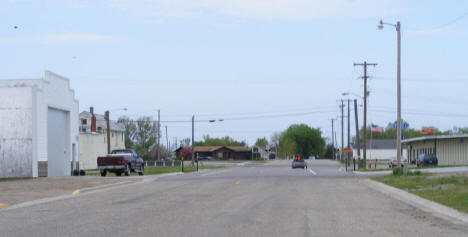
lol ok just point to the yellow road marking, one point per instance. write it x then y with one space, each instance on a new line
76 192
3 205
238 182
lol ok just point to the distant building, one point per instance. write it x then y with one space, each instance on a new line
38 132
222 152
261 152
93 138
380 149
450 150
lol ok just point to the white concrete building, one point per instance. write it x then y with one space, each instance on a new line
93 138
38 132
380 149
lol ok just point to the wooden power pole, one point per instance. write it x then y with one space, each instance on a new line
365 64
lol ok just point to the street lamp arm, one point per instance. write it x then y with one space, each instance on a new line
382 23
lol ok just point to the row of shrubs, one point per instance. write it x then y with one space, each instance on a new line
400 172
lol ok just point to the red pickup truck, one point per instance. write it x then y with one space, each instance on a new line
121 161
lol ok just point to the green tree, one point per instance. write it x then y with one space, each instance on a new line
308 140
328 154
286 148
261 142
130 130
146 135
186 142
224 141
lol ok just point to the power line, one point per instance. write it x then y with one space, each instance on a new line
446 23
246 117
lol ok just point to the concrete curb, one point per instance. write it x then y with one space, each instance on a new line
373 172
432 207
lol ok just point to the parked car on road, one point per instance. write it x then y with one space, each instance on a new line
121 161
205 158
299 163
393 162
427 160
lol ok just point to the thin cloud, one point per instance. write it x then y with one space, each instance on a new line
59 38
432 32
260 9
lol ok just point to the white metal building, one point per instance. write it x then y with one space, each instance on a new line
93 138
38 132
450 150
380 149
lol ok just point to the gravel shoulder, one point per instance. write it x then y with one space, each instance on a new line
22 190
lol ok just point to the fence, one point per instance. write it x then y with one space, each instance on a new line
163 163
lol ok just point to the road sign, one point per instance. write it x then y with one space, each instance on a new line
403 125
347 150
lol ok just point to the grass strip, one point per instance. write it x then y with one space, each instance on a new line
451 190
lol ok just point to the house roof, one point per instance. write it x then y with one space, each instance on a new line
215 148
443 137
378 144
101 121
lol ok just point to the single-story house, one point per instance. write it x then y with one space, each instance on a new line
93 138
380 149
222 152
449 149
38 132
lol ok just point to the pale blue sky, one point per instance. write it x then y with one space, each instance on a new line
236 58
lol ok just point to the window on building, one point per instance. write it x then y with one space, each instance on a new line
84 121
99 129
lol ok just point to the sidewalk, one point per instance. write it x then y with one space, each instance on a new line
23 190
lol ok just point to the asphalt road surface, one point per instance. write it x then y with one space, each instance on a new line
260 200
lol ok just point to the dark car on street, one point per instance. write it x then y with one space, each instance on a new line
121 161
205 158
427 160
299 163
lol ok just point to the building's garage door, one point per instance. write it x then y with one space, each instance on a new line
58 143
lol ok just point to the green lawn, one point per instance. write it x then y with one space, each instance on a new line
451 191
161 170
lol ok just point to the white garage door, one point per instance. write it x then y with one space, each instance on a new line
58 143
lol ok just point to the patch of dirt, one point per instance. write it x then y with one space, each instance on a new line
438 187
442 175
23 190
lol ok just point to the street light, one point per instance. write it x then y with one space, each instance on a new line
193 135
397 26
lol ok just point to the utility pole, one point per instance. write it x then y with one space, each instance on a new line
193 135
159 134
398 27
342 130
333 138
106 116
357 131
167 140
349 142
364 148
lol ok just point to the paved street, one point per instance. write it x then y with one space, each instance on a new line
252 200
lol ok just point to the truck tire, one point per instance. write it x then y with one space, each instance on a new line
128 170
103 173
142 171
118 173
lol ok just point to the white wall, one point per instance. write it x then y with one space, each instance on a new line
379 154
16 131
93 145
